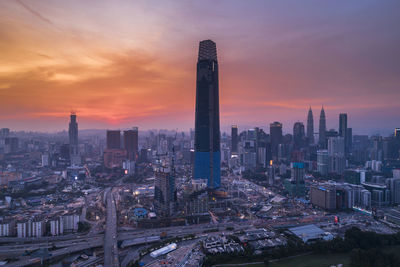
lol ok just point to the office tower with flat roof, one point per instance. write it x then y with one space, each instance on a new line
113 139
323 161
207 163
343 129
234 139
298 135
397 132
275 133
342 125
164 191
4 132
310 127
295 185
322 129
349 141
336 151
131 143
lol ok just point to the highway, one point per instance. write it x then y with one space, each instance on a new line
61 252
132 256
110 237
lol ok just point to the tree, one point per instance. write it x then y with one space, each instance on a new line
83 226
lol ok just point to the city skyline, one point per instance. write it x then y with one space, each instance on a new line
275 65
165 133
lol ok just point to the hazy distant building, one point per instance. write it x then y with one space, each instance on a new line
73 136
114 158
396 173
275 132
207 129
4 132
131 143
298 135
349 141
74 157
248 154
322 129
11 144
113 139
336 152
234 139
297 171
394 186
271 174
310 127
323 161
397 132
343 128
342 124
295 185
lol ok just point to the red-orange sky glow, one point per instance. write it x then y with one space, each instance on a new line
120 64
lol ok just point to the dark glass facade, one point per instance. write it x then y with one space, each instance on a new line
310 127
207 163
131 143
73 135
322 129
113 139
275 132
235 140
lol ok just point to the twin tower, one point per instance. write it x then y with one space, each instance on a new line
207 158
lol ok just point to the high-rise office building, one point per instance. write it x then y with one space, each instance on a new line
297 171
11 144
131 143
323 161
298 135
342 124
310 127
343 128
113 139
322 129
73 135
397 132
336 152
275 133
336 146
295 185
207 130
234 139
4 132
164 191
74 157
349 141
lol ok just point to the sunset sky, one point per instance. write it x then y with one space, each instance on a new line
132 63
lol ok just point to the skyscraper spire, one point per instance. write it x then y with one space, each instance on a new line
310 127
322 129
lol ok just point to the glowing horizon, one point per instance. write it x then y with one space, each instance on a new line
122 64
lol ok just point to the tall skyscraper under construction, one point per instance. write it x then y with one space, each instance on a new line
207 163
